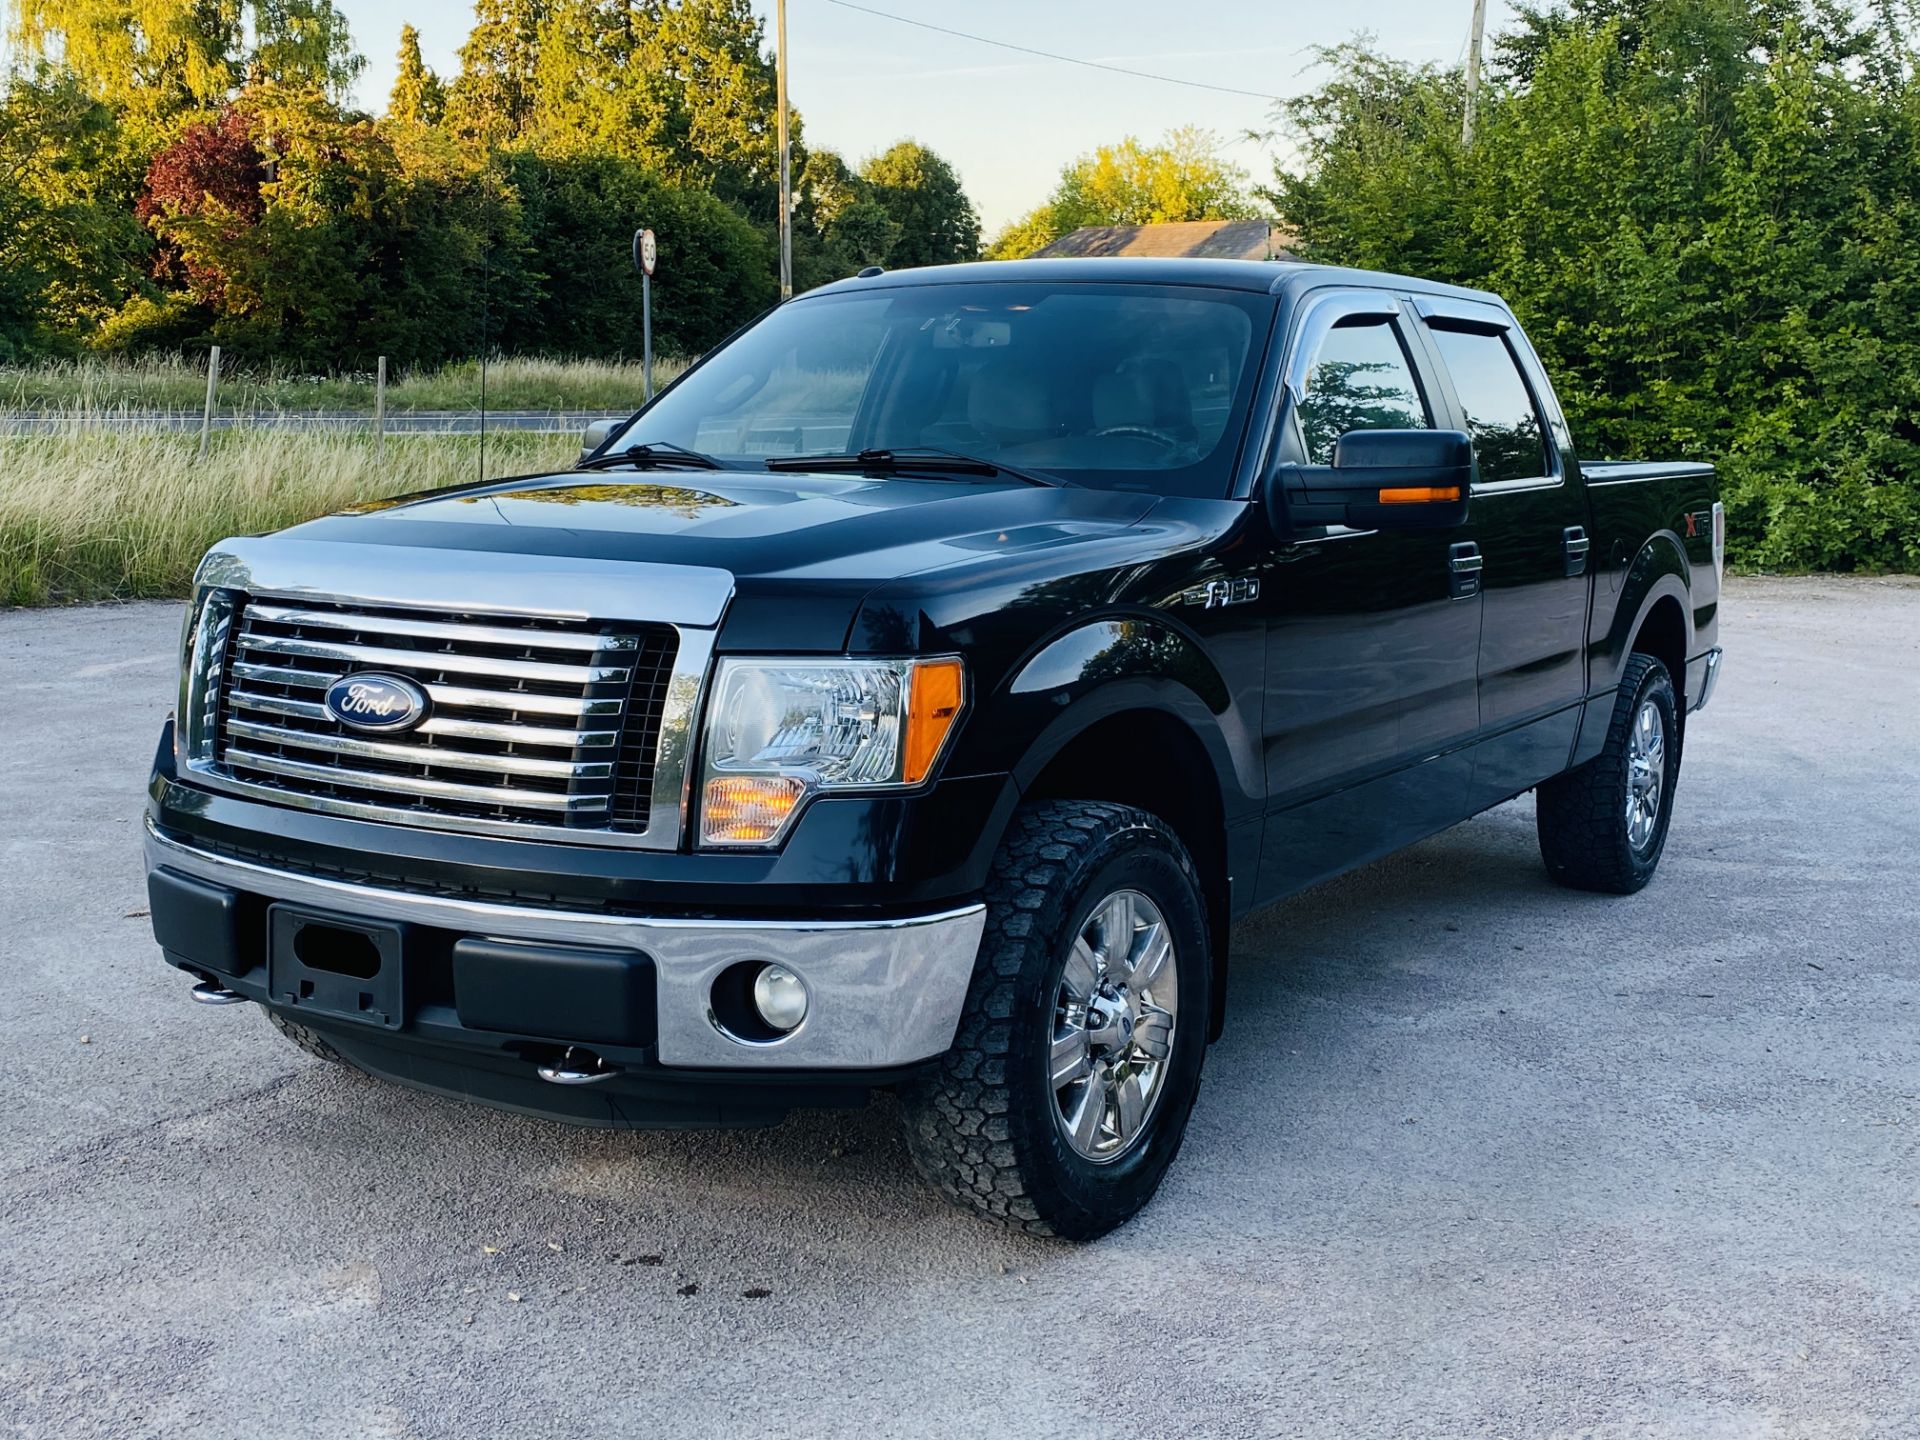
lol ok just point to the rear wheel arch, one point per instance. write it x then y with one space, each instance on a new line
1651 610
1662 633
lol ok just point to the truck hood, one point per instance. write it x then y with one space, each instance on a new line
817 542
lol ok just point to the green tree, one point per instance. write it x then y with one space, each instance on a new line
1185 177
1707 213
71 251
154 60
683 86
303 44
717 269
921 194
148 59
1385 166
491 100
855 228
719 127
312 237
418 97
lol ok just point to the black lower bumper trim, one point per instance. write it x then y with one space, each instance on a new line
196 923
637 1099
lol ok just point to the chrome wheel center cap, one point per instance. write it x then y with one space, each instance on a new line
1109 1022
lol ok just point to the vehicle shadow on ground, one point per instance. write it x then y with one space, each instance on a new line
1356 930
1318 985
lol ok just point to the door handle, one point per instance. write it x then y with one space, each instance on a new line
1575 540
1464 561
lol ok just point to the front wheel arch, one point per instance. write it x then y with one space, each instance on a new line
1156 761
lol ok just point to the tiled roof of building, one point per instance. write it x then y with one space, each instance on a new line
1204 239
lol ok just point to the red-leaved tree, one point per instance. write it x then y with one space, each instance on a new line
206 183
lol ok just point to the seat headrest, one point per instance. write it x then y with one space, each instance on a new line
1009 402
1145 395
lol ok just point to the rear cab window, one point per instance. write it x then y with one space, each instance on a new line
1509 441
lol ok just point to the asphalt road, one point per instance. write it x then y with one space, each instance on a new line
1477 1156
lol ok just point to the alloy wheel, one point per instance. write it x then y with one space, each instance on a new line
1646 774
1114 1016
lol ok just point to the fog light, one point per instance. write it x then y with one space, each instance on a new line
780 996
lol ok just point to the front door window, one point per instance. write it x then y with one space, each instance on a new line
1360 379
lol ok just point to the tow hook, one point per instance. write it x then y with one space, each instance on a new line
208 993
577 1067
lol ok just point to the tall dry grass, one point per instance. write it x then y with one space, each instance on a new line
529 383
116 514
173 382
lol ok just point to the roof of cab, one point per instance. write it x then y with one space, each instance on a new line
1261 276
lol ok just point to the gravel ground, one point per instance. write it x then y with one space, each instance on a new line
1476 1156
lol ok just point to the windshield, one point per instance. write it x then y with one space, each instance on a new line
1125 387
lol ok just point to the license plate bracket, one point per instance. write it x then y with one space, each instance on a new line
336 965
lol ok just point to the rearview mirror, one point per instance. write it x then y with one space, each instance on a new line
1381 480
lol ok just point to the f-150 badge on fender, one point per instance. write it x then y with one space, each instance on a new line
1216 593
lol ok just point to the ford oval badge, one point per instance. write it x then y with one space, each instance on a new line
376 702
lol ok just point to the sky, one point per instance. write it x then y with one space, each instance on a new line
1009 122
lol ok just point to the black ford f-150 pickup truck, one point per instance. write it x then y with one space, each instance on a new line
914 695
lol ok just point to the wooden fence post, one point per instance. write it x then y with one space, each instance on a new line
380 405
213 386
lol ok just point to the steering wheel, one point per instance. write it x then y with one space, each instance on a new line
1138 432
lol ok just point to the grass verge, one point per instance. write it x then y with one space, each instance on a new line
173 382
122 516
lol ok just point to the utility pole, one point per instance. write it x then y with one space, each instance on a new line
1473 72
786 154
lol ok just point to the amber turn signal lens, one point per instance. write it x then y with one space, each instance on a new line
933 704
748 809
1420 495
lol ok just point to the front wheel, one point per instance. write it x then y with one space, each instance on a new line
1077 1060
1604 824
310 1041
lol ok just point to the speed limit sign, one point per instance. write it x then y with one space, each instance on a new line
645 253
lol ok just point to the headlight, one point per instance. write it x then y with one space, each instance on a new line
779 730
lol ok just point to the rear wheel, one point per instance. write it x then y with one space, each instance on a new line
1077 1060
1603 825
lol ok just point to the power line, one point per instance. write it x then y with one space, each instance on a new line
1049 55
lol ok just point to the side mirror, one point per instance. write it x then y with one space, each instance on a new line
597 434
1381 480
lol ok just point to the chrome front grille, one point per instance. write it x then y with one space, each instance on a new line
532 724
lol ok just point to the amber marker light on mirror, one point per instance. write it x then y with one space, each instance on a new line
748 809
1420 495
933 704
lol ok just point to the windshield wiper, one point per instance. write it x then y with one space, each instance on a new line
919 458
653 455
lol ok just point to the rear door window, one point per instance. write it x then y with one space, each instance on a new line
1508 440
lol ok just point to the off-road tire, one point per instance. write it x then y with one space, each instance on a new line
1581 815
981 1126
308 1040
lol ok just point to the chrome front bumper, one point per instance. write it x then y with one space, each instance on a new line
883 992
